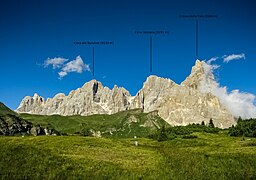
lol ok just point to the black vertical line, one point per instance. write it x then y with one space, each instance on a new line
150 53
93 61
196 38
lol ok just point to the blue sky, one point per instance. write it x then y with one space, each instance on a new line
32 31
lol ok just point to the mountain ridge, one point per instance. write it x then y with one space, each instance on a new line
177 104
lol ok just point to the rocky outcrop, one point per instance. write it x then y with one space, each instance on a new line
185 103
177 104
39 131
12 125
90 99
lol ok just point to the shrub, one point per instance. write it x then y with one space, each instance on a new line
86 132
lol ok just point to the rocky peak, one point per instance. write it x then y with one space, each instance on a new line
152 94
92 85
197 74
38 98
29 103
198 67
59 96
154 82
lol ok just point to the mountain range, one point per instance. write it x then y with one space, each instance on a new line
177 104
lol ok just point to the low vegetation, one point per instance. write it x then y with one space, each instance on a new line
245 128
172 132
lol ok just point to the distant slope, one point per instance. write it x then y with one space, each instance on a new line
5 110
122 124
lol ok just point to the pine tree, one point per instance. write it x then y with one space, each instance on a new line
239 120
162 136
202 123
211 125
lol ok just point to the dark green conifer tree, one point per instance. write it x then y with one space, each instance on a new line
211 125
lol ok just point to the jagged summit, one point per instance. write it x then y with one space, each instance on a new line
176 104
91 98
196 75
92 84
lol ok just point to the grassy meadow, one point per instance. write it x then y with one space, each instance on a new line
209 156
164 152
122 124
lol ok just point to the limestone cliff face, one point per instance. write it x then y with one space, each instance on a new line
185 103
177 104
90 99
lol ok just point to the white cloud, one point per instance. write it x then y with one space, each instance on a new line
238 103
212 60
62 74
232 57
77 65
56 62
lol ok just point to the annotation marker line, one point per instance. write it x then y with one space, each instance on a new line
151 33
150 41
197 17
196 38
93 44
93 61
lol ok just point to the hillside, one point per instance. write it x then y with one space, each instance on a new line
122 124
5 110
11 123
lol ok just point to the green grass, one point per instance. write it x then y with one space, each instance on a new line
209 156
193 154
121 122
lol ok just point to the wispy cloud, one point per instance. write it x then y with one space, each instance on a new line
56 62
227 58
212 60
77 65
238 103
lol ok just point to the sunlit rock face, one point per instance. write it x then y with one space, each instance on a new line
185 103
91 98
177 104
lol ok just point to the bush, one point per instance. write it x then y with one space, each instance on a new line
86 132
